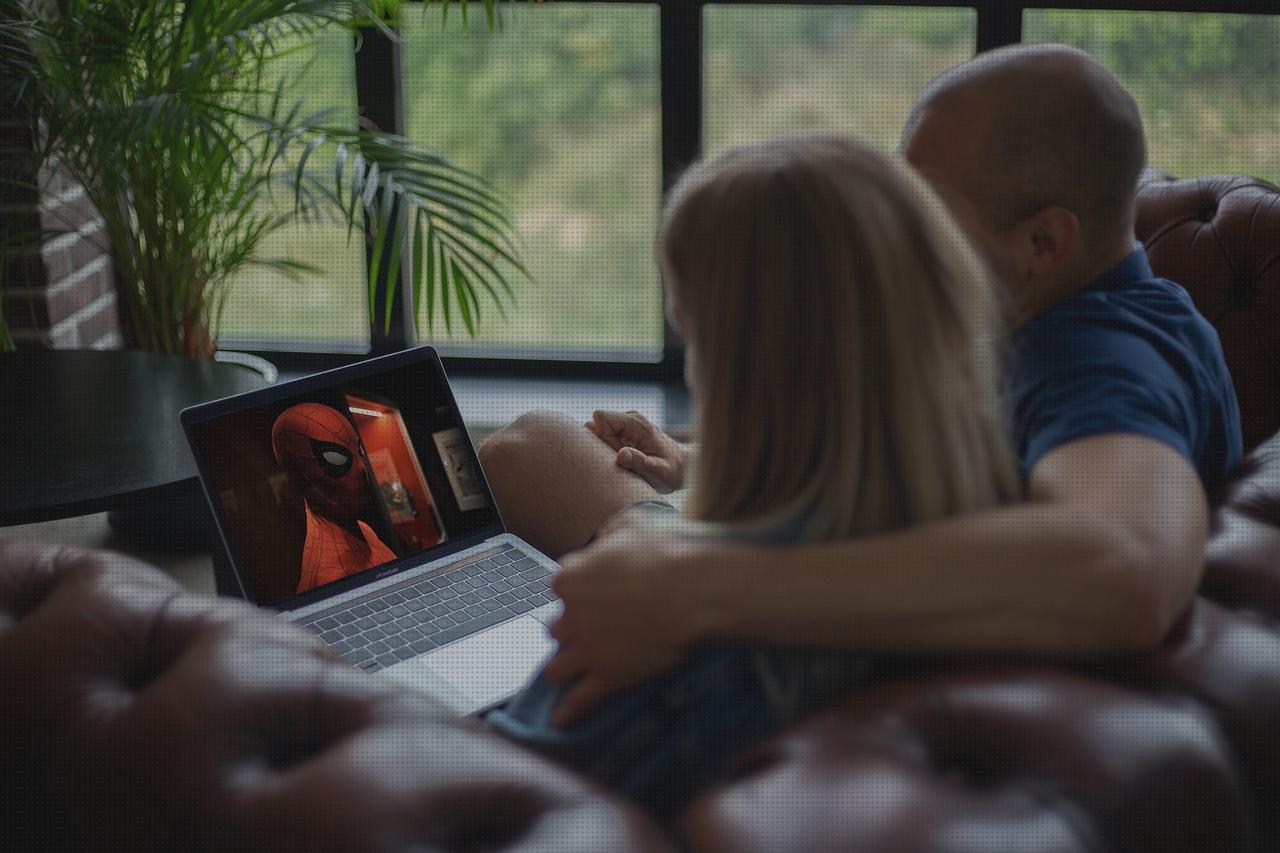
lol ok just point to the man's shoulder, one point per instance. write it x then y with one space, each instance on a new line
1134 357
1138 300
1147 320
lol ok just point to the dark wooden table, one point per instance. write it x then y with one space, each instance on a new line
85 431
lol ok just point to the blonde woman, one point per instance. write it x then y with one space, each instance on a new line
842 356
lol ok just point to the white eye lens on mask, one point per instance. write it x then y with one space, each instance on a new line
333 457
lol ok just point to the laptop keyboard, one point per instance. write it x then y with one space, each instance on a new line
416 617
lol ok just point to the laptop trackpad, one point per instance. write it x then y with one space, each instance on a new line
489 667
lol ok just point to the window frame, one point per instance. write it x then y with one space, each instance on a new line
999 23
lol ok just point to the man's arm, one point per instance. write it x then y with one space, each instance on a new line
1104 557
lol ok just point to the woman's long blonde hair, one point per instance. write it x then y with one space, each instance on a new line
846 341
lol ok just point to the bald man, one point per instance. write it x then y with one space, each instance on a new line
1121 405
1037 150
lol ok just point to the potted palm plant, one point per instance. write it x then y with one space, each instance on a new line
160 110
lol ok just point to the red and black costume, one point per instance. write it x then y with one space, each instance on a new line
320 450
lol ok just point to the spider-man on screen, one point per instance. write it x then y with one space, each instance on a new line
319 448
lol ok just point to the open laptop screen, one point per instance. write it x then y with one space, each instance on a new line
335 481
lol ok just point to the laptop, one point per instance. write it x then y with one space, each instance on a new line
353 503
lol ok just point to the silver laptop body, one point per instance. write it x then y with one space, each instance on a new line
460 611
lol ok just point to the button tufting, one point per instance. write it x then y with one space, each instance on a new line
1243 290
1207 213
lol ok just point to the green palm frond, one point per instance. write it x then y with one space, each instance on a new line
160 109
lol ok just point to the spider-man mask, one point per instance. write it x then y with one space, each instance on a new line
320 450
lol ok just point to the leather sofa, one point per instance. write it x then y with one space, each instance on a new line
135 715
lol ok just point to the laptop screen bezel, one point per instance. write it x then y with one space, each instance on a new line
205 412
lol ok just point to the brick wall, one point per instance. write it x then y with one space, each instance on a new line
60 294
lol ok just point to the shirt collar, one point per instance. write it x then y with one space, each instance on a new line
1134 267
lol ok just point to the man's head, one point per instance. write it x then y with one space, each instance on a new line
1037 150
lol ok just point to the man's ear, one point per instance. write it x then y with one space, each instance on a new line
1051 234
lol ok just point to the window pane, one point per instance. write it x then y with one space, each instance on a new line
326 309
558 109
786 69
1208 85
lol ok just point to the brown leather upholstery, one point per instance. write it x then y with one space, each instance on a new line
1020 761
1242 567
1219 237
1229 664
137 716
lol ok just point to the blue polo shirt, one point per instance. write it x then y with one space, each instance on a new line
1129 354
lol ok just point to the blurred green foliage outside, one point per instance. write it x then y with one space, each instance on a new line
559 108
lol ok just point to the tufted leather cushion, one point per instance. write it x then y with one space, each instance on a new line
1219 237
1025 761
1242 560
136 716
1229 663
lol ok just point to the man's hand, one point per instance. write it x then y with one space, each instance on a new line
642 448
629 613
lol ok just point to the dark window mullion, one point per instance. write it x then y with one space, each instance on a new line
379 97
680 43
999 24
680 97
1216 7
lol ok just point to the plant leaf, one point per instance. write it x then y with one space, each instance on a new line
380 226
302 167
465 295
371 185
431 277
393 269
340 161
446 285
415 269
484 282
357 186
